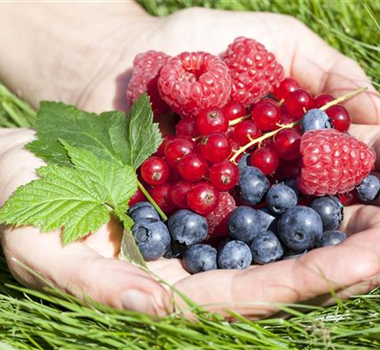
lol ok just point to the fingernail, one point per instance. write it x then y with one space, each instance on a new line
141 302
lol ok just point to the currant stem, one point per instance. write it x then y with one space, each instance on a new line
151 201
343 98
238 120
261 139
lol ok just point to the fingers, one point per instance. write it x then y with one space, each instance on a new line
320 68
254 292
79 270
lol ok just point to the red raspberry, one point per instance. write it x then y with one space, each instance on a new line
218 219
254 71
146 68
332 162
193 81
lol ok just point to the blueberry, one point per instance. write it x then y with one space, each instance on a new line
234 255
244 223
280 198
175 250
266 248
292 183
315 119
368 190
253 185
267 219
187 227
299 228
330 209
244 161
199 258
143 210
152 238
332 237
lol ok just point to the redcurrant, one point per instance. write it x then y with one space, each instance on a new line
287 86
265 159
155 171
233 110
215 147
161 195
321 99
161 150
339 117
266 114
203 198
212 120
224 175
187 127
298 102
287 143
245 131
193 167
179 192
177 148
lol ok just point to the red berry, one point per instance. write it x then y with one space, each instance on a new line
215 147
254 71
265 159
178 148
321 99
146 68
187 127
298 101
349 198
339 117
137 197
161 150
161 195
218 219
233 110
245 131
287 86
212 120
193 167
193 81
287 143
266 114
203 198
155 171
179 192
333 162
224 175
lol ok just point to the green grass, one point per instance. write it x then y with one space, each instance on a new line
32 320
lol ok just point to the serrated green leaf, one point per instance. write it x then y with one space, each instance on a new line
110 135
129 250
62 198
78 199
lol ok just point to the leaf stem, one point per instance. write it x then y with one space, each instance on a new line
151 200
343 98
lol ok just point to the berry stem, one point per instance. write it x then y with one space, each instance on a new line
260 139
151 201
343 98
239 120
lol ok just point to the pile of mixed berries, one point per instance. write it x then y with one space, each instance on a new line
258 169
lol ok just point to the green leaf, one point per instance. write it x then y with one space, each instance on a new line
111 135
79 199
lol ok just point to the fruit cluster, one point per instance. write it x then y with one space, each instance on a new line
258 167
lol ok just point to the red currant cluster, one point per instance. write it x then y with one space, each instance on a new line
191 168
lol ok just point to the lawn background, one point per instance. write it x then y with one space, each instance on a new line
30 320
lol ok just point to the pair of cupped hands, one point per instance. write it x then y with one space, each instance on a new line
86 67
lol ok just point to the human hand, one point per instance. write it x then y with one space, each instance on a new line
349 268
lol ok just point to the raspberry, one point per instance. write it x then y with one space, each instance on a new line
218 219
254 71
193 81
332 162
146 68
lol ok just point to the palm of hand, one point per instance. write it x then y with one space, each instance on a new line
318 68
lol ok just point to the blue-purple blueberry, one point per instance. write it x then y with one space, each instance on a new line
369 189
253 185
199 258
266 248
244 224
280 198
234 255
330 209
143 210
332 237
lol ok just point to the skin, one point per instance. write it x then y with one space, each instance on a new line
83 57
